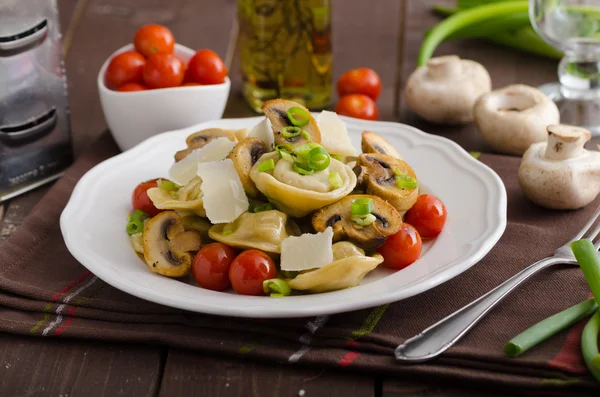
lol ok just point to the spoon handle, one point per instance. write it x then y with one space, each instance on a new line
443 334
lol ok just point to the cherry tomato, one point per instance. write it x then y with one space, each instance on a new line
140 199
131 87
163 71
206 67
211 266
428 216
190 84
126 67
360 81
154 39
357 105
402 248
248 271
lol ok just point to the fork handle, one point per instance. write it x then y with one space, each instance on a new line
443 334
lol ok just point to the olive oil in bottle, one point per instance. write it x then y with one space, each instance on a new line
285 51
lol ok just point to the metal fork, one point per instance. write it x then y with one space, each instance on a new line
442 335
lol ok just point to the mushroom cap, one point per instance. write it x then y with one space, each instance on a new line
276 111
446 88
374 143
244 155
167 245
339 214
376 174
514 117
201 138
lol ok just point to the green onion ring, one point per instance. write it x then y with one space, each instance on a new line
335 180
298 116
362 206
318 159
406 182
298 167
167 185
277 287
290 132
267 165
138 215
134 227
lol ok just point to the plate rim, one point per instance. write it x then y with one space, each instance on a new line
142 292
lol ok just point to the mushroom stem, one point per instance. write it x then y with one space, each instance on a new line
566 142
443 67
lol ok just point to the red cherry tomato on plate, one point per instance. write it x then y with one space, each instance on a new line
131 87
248 271
402 248
140 199
360 81
154 39
428 216
211 266
163 71
357 105
126 67
206 67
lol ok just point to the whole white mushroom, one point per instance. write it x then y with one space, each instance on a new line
561 173
445 89
514 117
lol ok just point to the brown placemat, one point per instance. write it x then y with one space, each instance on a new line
45 292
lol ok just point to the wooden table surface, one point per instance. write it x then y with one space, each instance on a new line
390 32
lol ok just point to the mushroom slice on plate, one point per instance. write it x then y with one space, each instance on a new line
349 267
339 216
186 198
277 110
389 178
201 138
374 143
262 230
167 245
244 155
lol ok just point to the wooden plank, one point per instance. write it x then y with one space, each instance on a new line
53 367
187 373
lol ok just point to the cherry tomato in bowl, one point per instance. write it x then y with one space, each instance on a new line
131 87
249 270
140 199
206 67
126 67
163 71
154 39
211 265
427 215
402 248
358 106
360 81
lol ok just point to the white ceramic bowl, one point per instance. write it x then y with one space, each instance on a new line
134 116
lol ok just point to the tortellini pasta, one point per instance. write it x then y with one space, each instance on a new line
349 267
299 195
188 197
262 230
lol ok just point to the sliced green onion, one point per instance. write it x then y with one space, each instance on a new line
227 230
134 227
589 345
277 287
335 180
364 220
406 182
299 168
298 116
138 215
289 274
286 156
318 159
338 158
587 256
302 151
267 165
167 185
305 135
398 171
548 327
362 206
285 147
291 132
263 207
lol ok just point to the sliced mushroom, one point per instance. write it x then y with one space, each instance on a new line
374 143
201 138
244 155
339 216
377 174
167 245
276 111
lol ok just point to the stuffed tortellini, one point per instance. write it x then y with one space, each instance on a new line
188 198
262 230
349 267
299 195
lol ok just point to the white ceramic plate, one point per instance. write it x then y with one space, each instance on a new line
93 226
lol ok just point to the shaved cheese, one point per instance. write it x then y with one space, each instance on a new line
223 194
309 251
185 170
334 135
264 132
